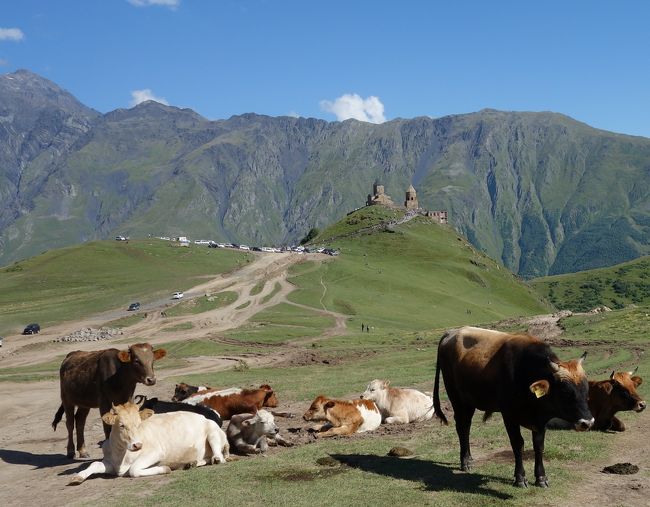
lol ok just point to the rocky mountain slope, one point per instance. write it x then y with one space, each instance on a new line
539 191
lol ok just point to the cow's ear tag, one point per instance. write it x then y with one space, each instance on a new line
540 388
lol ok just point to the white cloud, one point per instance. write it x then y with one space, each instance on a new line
138 96
172 4
352 105
14 34
293 114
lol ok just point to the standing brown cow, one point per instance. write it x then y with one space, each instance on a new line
517 375
98 380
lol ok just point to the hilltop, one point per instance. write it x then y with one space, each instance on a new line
541 192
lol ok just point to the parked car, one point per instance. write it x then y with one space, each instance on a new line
1 341
121 238
133 307
244 247
32 329
177 295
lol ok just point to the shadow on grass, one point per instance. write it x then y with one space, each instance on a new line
433 476
36 460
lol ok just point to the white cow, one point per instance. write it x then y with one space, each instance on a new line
143 443
248 433
399 405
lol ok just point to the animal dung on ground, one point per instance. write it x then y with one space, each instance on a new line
621 469
401 452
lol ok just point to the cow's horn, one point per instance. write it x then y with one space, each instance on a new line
634 370
554 366
612 375
582 357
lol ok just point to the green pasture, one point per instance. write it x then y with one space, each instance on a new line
614 286
75 282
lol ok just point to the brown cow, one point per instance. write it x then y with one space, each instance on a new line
98 380
517 375
229 402
606 397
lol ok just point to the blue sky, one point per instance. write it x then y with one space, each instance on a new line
333 59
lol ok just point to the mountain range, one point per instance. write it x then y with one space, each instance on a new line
540 192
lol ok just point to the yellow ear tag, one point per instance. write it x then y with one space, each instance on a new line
538 390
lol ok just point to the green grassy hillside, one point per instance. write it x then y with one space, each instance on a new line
616 287
419 275
74 282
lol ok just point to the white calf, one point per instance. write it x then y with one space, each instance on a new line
142 443
248 433
399 405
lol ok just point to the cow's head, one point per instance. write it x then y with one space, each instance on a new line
270 399
184 391
263 423
621 388
125 421
140 358
564 393
316 410
375 390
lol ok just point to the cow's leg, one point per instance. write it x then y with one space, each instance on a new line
340 430
398 418
142 466
538 446
105 407
69 424
263 444
617 424
80 422
463 416
517 444
217 448
96 467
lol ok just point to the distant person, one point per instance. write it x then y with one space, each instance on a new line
362 328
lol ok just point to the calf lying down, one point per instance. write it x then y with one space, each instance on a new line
229 402
252 433
164 407
398 405
608 397
344 417
142 443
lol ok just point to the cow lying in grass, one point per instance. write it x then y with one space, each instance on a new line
144 443
399 405
608 397
164 407
344 417
229 402
252 433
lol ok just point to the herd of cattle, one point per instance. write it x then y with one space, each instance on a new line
515 374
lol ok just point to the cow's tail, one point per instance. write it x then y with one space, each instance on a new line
58 417
436 390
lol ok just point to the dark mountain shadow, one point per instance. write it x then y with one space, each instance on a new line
432 475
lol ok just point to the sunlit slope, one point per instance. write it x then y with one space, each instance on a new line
77 281
615 287
416 275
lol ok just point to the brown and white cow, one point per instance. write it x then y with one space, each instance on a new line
344 417
98 380
142 443
399 405
517 375
618 393
229 402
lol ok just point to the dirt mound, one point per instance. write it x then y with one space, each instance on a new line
89 334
